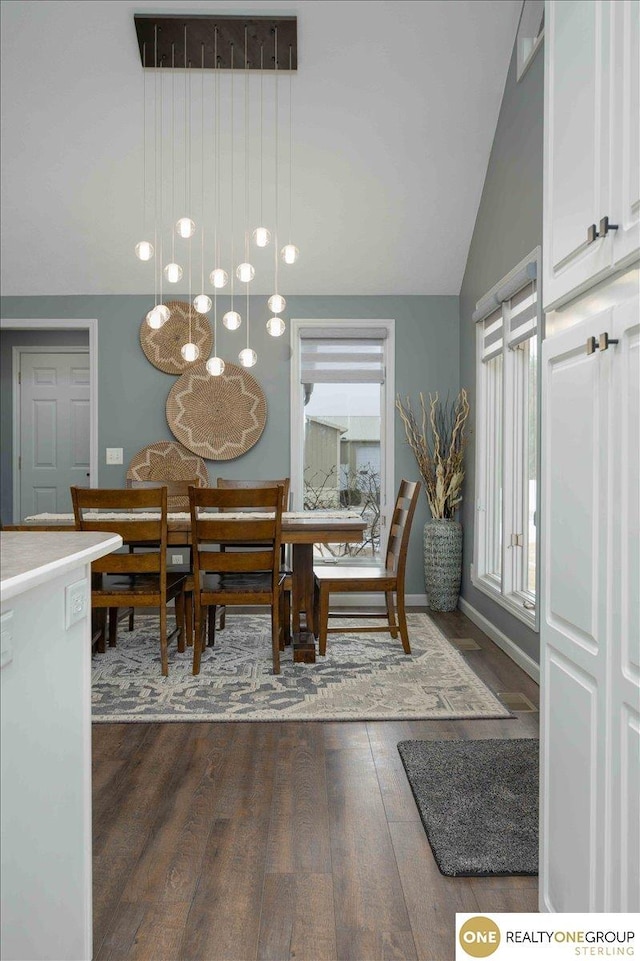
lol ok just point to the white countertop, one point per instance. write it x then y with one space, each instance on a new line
28 559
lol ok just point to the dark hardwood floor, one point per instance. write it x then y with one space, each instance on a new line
247 841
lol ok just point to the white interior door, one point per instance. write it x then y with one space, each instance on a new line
54 428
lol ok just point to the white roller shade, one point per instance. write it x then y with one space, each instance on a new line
522 312
492 335
341 358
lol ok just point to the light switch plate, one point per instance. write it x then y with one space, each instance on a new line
114 455
76 602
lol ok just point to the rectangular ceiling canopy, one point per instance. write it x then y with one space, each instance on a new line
200 32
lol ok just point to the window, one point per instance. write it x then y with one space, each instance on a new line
530 33
508 330
341 425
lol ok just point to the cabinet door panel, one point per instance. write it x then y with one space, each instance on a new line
577 121
625 207
624 578
575 450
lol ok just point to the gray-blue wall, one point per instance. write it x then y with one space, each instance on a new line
132 392
508 226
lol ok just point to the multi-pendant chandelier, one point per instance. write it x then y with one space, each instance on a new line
174 49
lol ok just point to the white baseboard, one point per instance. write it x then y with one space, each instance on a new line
523 660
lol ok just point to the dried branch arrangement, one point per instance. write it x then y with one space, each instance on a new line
437 439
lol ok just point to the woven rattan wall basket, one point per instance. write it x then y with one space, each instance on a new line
218 418
167 460
162 347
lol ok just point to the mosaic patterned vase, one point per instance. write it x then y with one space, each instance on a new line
442 563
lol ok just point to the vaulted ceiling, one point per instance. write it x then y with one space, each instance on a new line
395 108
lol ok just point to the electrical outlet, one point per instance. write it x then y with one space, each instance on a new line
76 602
176 559
114 455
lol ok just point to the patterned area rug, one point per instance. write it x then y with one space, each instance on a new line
362 677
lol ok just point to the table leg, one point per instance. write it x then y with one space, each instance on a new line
302 599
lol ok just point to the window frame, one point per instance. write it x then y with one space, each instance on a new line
510 588
387 409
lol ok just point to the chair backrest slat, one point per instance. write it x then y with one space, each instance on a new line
259 536
149 532
400 528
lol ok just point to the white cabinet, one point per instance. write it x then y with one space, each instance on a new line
45 743
591 166
590 657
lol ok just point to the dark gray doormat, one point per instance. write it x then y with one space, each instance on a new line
478 801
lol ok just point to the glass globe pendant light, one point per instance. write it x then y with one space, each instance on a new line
276 326
144 250
245 272
158 316
215 366
190 351
185 227
232 320
276 303
219 278
289 253
173 272
248 357
202 303
261 237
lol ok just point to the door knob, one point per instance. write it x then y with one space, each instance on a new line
592 345
605 226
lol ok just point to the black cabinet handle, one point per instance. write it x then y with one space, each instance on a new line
604 341
605 226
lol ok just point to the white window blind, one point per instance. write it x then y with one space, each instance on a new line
351 355
522 312
492 335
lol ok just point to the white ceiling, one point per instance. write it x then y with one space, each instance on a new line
395 108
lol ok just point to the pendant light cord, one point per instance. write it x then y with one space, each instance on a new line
261 134
246 149
290 136
161 204
232 148
202 169
144 138
275 245
173 150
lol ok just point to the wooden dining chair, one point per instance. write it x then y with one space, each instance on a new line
227 483
177 500
249 576
388 578
138 578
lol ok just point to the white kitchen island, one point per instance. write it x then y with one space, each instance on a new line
45 754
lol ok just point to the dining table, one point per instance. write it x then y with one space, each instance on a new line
300 529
